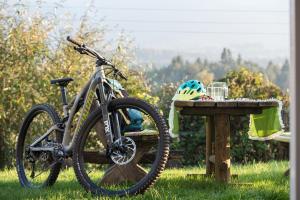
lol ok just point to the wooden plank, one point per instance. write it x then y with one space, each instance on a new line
248 104
212 111
146 132
96 157
205 104
222 150
268 104
180 104
209 128
140 136
227 104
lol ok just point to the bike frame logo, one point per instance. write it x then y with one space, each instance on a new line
106 127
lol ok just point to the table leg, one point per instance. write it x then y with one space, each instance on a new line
209 129
222 147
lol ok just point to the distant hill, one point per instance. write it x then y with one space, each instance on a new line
180 69
161 58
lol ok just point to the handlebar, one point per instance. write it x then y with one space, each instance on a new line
73 41
82 49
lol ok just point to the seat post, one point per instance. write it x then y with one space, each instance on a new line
63 95
62 83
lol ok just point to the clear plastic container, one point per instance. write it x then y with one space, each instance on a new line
217 90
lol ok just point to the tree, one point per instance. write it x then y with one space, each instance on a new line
239 60
205 76
272 71
282 79
247 84
226 57
177 62
198 61
30 57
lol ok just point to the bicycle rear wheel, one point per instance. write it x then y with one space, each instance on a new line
132 167
37 169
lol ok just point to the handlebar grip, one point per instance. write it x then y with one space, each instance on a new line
73 41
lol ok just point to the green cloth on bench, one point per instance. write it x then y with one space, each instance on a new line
266 125
174 114
173 121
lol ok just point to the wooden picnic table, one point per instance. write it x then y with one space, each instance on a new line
218 128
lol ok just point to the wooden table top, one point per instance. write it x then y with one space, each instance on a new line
226 103
232 107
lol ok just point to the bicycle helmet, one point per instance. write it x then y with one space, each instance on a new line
190 90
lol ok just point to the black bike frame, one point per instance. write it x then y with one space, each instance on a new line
96 86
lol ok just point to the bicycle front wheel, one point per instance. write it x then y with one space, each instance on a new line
131 167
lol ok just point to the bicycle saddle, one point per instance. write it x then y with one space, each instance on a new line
61 82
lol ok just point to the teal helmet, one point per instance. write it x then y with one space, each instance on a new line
190 90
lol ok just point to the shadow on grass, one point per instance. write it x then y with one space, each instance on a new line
265 185
259 186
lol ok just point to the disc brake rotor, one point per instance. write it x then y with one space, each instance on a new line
124 151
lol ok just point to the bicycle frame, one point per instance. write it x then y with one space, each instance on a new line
95 86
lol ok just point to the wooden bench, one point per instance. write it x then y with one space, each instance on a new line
132 171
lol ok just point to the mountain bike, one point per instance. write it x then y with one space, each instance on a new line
119 145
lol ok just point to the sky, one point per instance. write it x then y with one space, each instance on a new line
258 29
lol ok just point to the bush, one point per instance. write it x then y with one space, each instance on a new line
33 50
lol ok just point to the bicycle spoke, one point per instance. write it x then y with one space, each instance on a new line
44 170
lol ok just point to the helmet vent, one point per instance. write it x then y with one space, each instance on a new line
192 92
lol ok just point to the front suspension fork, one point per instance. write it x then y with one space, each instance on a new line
110 134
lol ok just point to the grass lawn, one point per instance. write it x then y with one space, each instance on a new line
266 182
